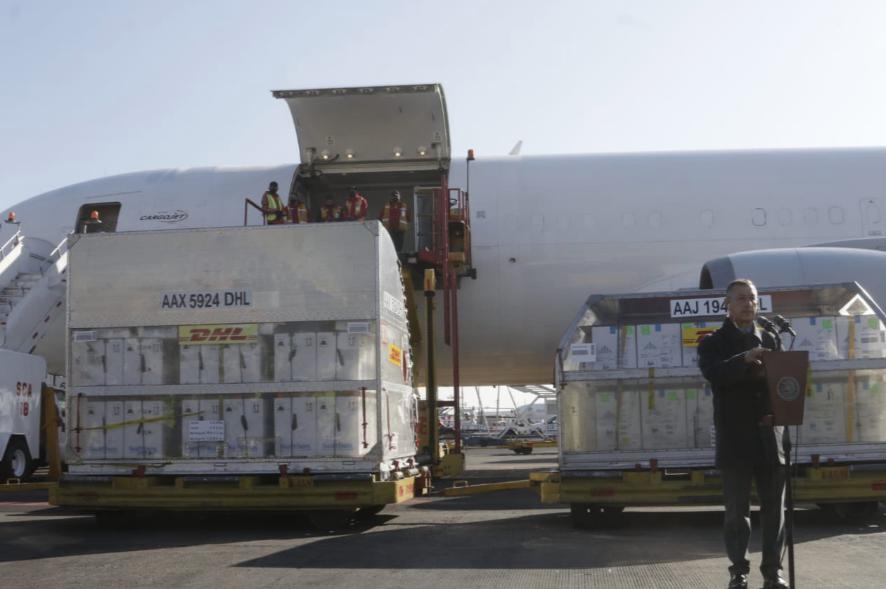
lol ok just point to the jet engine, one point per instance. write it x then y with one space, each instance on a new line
799 267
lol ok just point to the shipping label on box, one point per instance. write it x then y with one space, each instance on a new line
824 415
816 335
691 335
869 337
664 419
659 345
202 428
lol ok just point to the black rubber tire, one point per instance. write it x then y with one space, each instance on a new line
17 462
585 515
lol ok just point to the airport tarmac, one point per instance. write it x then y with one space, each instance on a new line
506 540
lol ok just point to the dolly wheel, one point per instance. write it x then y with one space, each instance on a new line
585 515
330 520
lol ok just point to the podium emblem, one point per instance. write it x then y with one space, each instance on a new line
788 388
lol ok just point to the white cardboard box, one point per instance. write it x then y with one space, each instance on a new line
115 414
132 361
155 429
824 414
659 345
245 430
870 336
133 431
210 356
88 360
201 409
92 438
619 414
664 419
114 362
189 364
615 348
870 409
282 357
355 357
326 355
304 356
817 335
691 335
152 354
326 424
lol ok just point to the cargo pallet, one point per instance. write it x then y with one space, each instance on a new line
605 492
236 493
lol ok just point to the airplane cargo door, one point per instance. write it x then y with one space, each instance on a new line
871 218
106 221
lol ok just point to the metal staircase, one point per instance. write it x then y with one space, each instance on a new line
32 290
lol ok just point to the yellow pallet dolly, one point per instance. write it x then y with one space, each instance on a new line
609 493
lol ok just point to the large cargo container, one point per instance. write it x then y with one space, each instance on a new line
636 415
240 351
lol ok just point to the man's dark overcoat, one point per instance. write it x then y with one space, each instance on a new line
740 397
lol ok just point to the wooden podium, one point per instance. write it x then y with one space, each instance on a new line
786 382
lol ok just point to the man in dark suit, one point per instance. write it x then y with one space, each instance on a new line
749 447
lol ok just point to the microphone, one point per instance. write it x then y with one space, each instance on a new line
766 324
784 326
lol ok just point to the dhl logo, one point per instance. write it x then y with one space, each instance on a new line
217 334
692 336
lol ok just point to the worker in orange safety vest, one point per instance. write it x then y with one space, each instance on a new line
330 212
272 206
393 216
298 210
355 206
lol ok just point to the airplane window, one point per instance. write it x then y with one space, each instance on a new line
759 217
836 215
785 217
707 218
810 216
655 219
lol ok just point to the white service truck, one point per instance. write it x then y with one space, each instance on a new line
21 380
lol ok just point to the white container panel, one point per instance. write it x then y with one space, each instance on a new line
209 364
250 362
817 335
304 356
664 419
132 361
189 364
93 435
152 358
348 425
232 364
304 425
327 353
114 362
282 357
88 359
326 424
115 414
824 414
256 431
133 431
283 426
155 429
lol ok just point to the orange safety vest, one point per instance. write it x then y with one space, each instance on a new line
357 206
272 203
393 216
330 213
298 211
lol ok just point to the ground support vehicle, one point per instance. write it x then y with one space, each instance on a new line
21 405
525 446
252 367
636 416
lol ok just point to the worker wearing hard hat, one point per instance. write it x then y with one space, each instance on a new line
298 209
355 206
272 206
393 216
330 212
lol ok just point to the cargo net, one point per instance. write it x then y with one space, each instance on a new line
198 393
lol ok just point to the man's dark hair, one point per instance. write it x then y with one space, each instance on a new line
740 281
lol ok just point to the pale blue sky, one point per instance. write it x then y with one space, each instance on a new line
93 88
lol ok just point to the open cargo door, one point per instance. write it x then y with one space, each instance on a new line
372 129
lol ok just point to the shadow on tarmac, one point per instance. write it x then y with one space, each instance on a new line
537 541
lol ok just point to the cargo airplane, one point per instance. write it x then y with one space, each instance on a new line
546 231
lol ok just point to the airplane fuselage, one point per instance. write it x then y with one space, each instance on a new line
547 231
